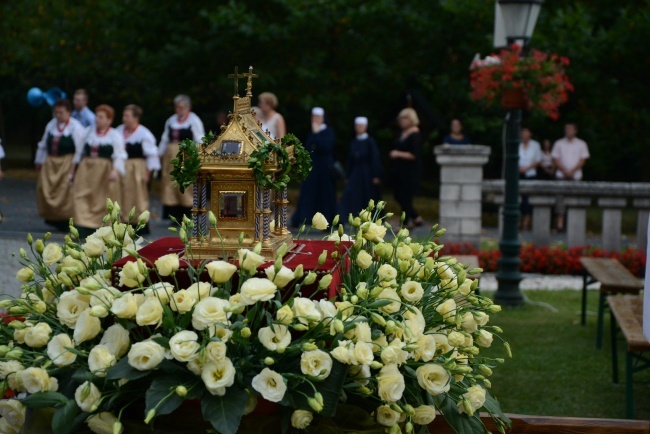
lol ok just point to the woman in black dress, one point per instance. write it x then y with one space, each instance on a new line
405 165
363 172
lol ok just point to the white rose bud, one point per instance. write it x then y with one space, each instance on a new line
364 260
37 336
93 247
387 416
181 301
424 414
220 271
146 355
300 419
52 254
319 222
87 397
100 359
282 278
184 346
168 264
25 275
104 423
249 261
143 219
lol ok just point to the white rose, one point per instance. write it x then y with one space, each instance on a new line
217 376
326 309
70 306
100 359
373 232
390 384
167 264
335 237
200 290
102 423
104 297
345 307
14 412
364 260
196 365
218 331
210 311
284 315
19 335
256 289
37 336
476 397
25 275
362 332
305 311
57 352
456 339
146 355
150 312
481 318
184 346
126 306
316 363
387 416
93 247
300 419
445 272
468 322
412 291
426 348
484 338
249 261
275 337
404 253
282 278
220 271
88 397
433 378
394 353
465 288
363 353
442 343
387 272
116 339
216 351
181 301
448 310
390 294
87 327
161 291
270 385
52 254
319 222
36 380
424 414
132 274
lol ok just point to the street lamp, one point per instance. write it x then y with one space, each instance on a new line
514 21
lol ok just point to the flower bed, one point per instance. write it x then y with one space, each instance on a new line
551 260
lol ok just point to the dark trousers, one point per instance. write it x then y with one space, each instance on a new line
404 196
525 208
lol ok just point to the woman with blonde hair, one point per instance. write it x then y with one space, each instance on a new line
271 119
142 159
100 162
406 163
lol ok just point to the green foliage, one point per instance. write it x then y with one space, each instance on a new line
186 165
295 168
225 412
44 400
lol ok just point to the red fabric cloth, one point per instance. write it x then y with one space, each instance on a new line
306 253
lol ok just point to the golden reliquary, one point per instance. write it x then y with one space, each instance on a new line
227 187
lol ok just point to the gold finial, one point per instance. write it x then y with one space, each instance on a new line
249 85
236 78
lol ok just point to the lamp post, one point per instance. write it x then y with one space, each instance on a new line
514 21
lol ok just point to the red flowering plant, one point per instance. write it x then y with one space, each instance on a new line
540 75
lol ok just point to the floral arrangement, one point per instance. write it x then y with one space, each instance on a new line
539 75
551 260
403 339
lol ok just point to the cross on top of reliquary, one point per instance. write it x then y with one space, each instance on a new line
249 85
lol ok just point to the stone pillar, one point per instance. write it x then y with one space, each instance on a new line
612 215
542 219
642 216
461 175
576 225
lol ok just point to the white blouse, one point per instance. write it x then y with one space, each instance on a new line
112 138
146 138
73 128
531 154
195 122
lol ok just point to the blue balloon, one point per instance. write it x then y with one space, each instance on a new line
53 95
35 97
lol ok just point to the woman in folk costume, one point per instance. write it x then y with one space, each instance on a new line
363 173
142 159
182 125
54 158
318 190
100 162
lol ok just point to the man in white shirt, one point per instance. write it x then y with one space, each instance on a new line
569 155
81 111
530 156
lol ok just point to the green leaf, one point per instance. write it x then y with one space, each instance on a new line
63 421
225 412
81 375
162 341
460 422
379 303
161 394
493 406
122 369
45 399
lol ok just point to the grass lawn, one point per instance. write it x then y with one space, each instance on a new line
556 369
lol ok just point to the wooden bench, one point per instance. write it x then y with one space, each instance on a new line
627 312
614 278
555 425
